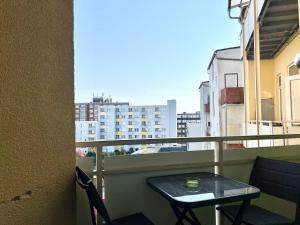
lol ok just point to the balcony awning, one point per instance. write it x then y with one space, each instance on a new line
278 22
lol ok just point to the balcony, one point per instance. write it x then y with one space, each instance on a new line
278 22
273 128
124 176
232 95
207 107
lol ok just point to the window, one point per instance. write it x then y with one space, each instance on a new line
102 110
129 122
130 136
130 110
293 70
144 123
136 129
143 116
156 122
144 129
117 123
143 136
149 136
143 110
102 123
117 129
102 136
90 125
130 116
117 116
117 136
102 130
156 109
102 117
231 80
117 110
91 132
156 129
130 130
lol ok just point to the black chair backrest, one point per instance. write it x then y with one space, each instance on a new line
278 178
95 200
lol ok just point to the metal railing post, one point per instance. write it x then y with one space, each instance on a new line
99 174
218 158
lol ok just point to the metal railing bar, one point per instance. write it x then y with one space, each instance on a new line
183 140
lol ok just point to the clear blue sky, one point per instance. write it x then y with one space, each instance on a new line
148 51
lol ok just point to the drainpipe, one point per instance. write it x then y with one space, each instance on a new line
257 69
246 78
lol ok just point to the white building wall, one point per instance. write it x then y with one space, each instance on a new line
130 122
194 130
225 65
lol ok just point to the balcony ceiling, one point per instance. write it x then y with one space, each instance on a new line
278 21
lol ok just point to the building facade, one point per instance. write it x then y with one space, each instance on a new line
270 40
183 119
222 97
106 120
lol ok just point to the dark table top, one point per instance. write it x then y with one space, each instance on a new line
212 189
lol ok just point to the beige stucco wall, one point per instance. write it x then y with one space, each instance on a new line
282 61
269 71
36 112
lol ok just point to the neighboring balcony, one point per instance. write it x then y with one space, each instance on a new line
207 107
232 95
123 178
278 22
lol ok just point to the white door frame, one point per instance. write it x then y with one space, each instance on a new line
288 97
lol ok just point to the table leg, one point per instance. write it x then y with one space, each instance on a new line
181 215
239 217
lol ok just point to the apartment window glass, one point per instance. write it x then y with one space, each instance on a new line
293 70
231 80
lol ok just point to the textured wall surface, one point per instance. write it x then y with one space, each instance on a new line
36 112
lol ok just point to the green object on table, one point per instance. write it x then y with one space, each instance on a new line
192 182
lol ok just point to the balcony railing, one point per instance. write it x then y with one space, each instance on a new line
125 190
232 95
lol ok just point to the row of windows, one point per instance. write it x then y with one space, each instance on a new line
137 136
188 116
104 109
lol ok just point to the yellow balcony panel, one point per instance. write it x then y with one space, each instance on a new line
144 119
118 120
119 133
130 113
145 133
103 126
130 126
157 112
102 113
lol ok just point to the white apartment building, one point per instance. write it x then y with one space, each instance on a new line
222 98
124 121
